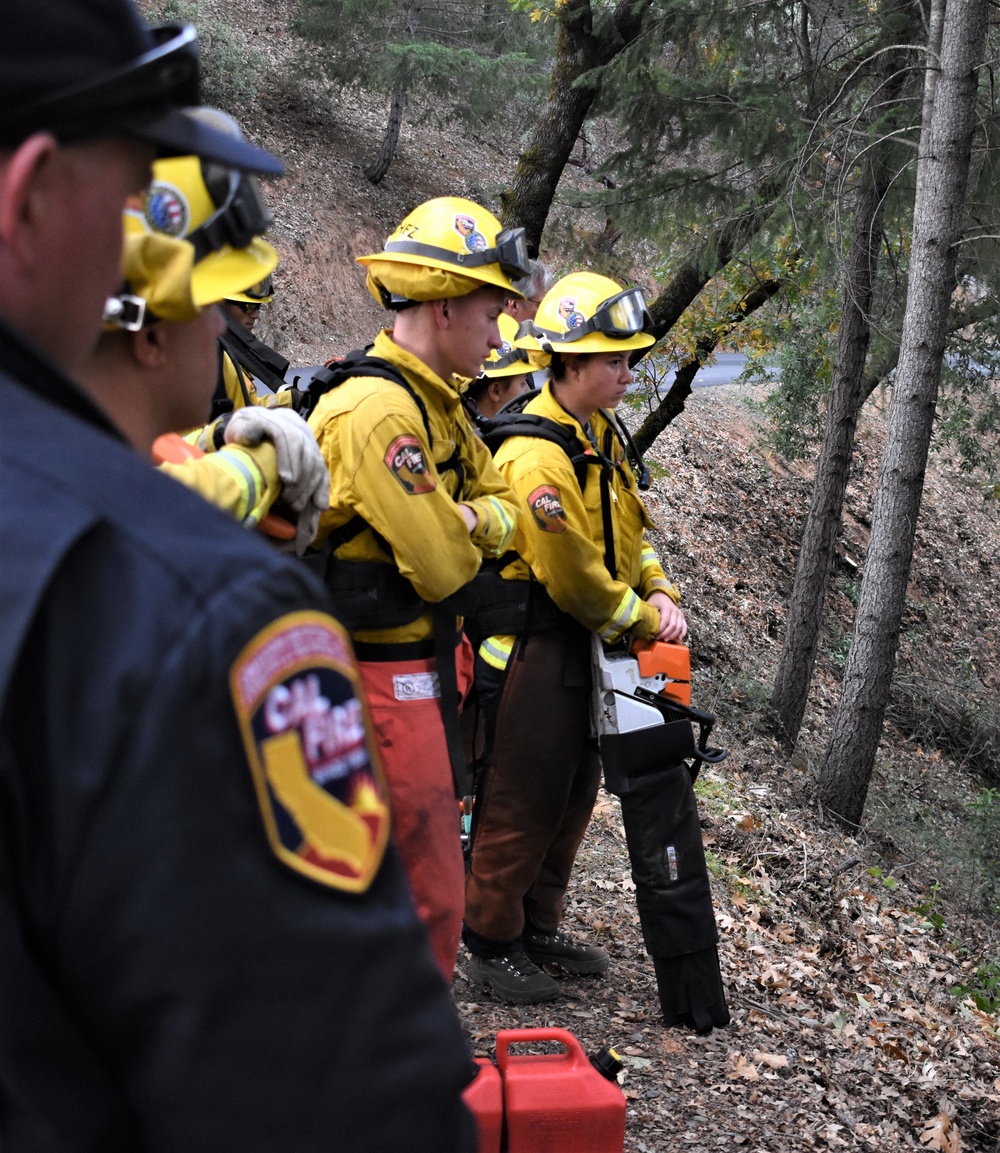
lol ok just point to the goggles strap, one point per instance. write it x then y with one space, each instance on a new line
460 259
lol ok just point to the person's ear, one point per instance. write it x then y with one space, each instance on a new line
442 317
150 346
495 389
23 180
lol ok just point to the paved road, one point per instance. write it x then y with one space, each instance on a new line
725 369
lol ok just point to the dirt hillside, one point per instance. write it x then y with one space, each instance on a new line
839 954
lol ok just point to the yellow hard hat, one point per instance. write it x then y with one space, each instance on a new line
585 312
446 247
220 211
510 359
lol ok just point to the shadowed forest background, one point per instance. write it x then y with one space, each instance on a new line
755 168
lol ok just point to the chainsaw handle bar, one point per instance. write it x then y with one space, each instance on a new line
704 720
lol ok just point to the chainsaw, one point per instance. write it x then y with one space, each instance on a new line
642 685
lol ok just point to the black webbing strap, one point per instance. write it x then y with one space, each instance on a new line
256 357
610 561
444 649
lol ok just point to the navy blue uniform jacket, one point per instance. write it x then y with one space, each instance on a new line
167 980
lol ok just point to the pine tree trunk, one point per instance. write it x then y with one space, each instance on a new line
579 50
816 550
942 177
387 150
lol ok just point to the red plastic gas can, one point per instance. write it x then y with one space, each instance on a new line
557 1102
485 1098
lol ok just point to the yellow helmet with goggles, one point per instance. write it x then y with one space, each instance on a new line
510 359
446 247
219 210
585 312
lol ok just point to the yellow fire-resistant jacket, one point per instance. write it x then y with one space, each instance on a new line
231 382
382 468
560 534
241 481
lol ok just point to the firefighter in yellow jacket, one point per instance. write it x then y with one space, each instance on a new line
416 503
581 541
183 253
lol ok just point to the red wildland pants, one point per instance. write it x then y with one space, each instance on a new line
404 702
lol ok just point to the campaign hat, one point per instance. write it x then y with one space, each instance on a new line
84 69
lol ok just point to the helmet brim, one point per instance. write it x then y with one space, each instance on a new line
487 274
592 342
177 133
230 271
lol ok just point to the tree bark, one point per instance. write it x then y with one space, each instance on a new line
816 550
387 149
707 261
942 178
579 50
672 405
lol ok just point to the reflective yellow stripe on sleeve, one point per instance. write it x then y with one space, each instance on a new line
249 481
506 523
624 617
648 555
496 651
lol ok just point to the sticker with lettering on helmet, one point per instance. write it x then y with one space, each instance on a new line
546 507
315 770
466 227
405 460
166 210
568 313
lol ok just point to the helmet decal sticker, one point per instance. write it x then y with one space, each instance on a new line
546 507
568 313
405 460
465 226
166 210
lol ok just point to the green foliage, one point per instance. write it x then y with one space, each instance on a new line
968 417
928 909
804 362
888 880
460 61
232 70
984 989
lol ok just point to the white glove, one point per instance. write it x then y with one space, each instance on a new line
305 482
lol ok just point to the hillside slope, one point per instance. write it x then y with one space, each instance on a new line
839 953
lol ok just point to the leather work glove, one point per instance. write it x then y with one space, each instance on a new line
305 482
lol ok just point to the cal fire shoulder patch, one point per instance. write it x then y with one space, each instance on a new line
546 507
318 781
405 460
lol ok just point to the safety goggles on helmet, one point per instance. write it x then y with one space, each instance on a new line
164 77
261 291
506 359
510 252
240 217
619 317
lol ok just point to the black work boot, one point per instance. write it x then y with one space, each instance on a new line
573 957
513 978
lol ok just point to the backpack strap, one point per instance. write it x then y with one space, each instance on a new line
253 355
506 425
361 363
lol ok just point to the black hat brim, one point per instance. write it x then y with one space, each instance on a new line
177 133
